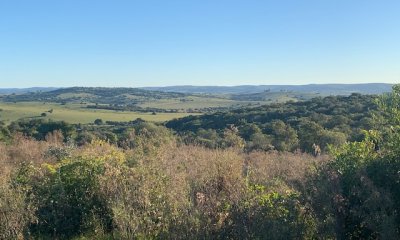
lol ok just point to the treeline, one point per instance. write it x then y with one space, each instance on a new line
135 108
151 186
78 134
131 107
287 126
92 94
267 95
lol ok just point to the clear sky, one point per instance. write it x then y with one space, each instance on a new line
198 42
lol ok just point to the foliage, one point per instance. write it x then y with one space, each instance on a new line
15 215
278 216
66 193
39 128
98 121
89 94
292 125
357 195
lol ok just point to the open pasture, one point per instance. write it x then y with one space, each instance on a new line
74 113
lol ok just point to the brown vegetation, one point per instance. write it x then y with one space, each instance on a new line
152 188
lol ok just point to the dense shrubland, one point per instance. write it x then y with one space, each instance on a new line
152 188
148 183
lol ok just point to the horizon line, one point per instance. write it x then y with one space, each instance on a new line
189 85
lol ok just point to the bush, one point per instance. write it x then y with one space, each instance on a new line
15 213
67 194
269 215
98 121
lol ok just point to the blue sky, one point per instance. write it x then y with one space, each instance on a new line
217 42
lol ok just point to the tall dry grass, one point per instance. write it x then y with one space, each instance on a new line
151 189
268 168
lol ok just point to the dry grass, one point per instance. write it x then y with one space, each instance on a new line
26 150
266 168
170 191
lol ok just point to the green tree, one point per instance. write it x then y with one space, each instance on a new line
259 141
231 138
284 136
310 133
98 121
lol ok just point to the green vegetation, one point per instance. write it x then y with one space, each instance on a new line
238 178
74 113
84 105
323 89
144 101
287 126
94 95
196 102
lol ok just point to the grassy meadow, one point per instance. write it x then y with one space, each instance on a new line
74 113
124 104
193 102
224 100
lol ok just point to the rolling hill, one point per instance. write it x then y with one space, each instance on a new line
324 89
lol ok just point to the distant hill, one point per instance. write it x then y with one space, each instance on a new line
324 89
26 90
91 94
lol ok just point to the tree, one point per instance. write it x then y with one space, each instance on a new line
284 136
232 139
310 133
248 130
98 121
260 141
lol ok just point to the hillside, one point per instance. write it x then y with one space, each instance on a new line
325 89
274 97
91 94
25 90
136 99
286 126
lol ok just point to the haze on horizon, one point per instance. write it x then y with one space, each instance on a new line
163 43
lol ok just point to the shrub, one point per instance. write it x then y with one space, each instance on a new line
268 214
98 121
15 213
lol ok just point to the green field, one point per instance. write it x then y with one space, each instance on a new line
74 113
196 102
70 104
224 100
